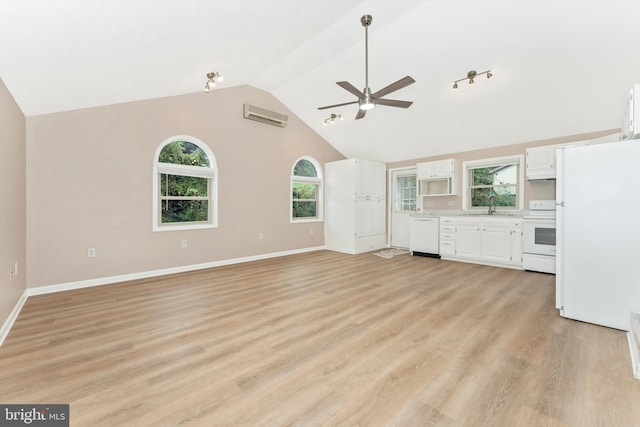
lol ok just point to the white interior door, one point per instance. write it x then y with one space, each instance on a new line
402 203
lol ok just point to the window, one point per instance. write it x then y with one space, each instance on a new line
405 193
306 191
498 181
185 185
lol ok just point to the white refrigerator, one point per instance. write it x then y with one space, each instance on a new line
598 233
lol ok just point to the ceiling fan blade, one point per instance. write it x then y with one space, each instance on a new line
360 114
403 82
351 88
337 105
394 103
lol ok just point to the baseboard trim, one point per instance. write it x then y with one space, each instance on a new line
634 345
8 324
48 289
481 262
633 353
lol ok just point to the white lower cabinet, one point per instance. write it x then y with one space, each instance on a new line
447 236
516 244
468 241
496 243
484 240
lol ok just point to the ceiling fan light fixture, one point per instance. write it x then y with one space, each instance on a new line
367 102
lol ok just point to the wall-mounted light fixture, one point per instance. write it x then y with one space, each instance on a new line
332 119
213 78
471 75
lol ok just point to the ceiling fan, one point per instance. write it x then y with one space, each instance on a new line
366 99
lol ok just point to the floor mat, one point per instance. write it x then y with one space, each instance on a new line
390 253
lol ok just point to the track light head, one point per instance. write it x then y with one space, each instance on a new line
213 78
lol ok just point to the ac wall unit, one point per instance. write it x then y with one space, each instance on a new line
263 115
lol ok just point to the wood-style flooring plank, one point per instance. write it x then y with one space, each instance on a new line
320 339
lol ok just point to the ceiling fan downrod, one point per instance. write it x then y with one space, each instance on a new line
366 21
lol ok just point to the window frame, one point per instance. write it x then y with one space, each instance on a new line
211 173
318 180
517 160
409 174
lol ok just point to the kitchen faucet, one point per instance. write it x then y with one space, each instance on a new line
492 204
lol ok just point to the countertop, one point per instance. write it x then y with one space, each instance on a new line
482 213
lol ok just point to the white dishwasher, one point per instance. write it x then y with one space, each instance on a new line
424 236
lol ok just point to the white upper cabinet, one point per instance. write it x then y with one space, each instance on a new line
541 162
437 178
436 169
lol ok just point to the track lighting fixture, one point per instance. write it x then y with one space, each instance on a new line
471 75
213 78
332 119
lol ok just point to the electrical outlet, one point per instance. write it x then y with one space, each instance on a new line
311 231
91 252
15 268
183 243
261 236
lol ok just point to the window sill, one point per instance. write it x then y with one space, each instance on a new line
181 227
305 220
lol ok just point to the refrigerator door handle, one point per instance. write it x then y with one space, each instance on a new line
559 176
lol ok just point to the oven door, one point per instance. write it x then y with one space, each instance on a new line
539 236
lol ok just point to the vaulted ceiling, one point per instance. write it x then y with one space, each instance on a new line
561 67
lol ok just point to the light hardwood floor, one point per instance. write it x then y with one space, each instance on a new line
321 338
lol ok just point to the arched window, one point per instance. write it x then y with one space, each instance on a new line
185 185
306 190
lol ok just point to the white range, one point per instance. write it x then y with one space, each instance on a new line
539 237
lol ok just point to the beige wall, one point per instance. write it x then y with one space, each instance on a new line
12 203
534 190
89 181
